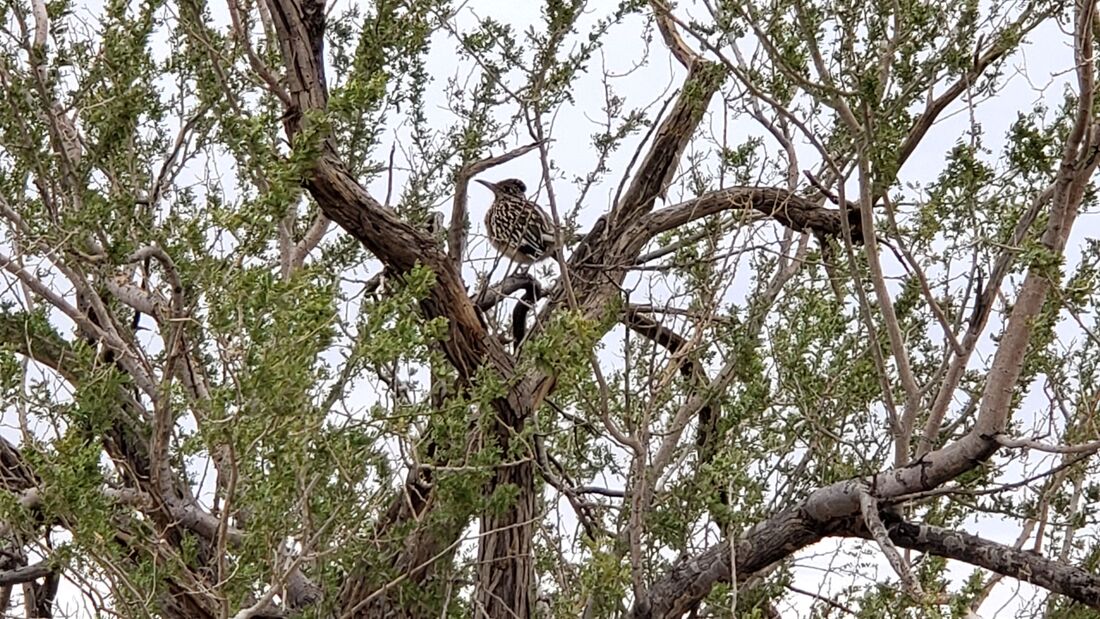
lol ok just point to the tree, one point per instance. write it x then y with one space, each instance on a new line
258 361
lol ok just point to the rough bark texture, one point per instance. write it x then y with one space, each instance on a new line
775 539
597 265
789 209
681 588
167 499
505 571
162 524
1059 577
827 508
506 567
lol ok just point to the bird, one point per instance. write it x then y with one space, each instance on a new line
517 227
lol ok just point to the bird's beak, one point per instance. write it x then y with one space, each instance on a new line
492 186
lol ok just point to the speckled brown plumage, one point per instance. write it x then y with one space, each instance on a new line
517 227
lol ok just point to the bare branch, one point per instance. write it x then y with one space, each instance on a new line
680 50
488 297
170 271
1056 576
659 165
787 208
41 25
869 508
689 367
1037 445
240 31
983 309
310 240
983 59
105 334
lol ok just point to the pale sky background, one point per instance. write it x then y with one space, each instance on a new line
1038 74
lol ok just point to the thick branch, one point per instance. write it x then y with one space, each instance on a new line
789 209
827 508
488 297
612 239
675 44
1057 576
772 539
27 573
400 246
468 345
687 582
877 530
168 504
659 165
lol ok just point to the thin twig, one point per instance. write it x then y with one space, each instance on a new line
868 505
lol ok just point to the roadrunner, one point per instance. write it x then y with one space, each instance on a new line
517 227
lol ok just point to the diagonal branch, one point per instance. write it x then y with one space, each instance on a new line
299 25
1056 576
614 238
983 59
869 507
689 367
657 169
675 44
400 246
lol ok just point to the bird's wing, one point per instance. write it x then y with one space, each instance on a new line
538 234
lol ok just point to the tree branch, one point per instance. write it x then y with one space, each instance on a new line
983 59
27 573
788 208
823 510
689 367
490 296
1056 576
468 346
675 44
877 530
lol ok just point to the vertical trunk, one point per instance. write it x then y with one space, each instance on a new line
505 565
